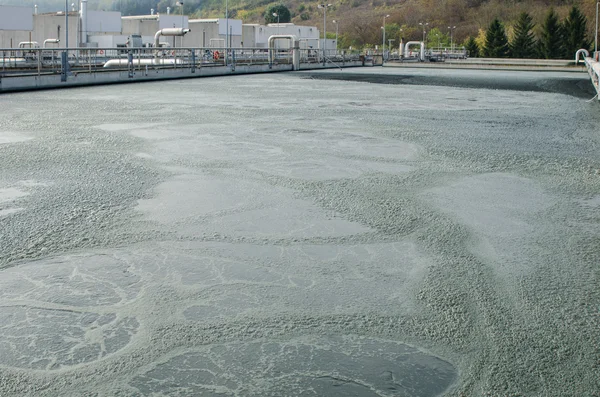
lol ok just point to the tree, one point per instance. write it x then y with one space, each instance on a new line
574 33
438 39
282 12
550 43
523 43
472 47
496 43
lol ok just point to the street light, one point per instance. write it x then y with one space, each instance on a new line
424 28
180 4
451 41
67 25
596 39
324 7
226 31
336 35
383 41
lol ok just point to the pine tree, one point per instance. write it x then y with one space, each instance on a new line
523 43
574 30
472 47
496 43
550 43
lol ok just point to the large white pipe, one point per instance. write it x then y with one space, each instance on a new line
119 63
169 32
30 44
83 17
581 51
421 48
51 41
295 45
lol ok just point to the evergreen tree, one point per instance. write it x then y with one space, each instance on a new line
523 43
472 47
496 42
282 12
574 31
550 43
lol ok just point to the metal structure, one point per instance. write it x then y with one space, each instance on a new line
324 7
383 42
451 38
424 28
336 33
47 61
596 34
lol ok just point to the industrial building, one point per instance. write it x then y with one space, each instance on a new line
24 27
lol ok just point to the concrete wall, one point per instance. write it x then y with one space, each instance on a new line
46 26
143 26
258 35
103 21
44 81
203 30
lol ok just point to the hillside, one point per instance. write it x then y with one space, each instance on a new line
360 21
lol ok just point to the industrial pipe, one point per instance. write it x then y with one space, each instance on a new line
169 32
51 41
31 44
581 51
295 48
84 22
421 49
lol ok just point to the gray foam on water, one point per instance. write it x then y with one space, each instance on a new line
306 366
297 244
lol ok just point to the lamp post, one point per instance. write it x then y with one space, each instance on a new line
424 28
383 41
336 35
451 38
180 4
324 7
596 35
226 30
67 25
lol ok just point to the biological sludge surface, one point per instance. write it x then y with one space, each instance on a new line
303 234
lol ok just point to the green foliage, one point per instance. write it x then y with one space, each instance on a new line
472 47
574 33
282 12
301 8
523 43
496 42
437 39
393 31
550 44
304 16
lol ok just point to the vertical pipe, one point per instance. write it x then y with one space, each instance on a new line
596 35
226 30
84 13
67 24
383 41
324 30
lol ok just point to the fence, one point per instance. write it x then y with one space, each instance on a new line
50 61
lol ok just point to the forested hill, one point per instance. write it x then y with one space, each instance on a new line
360 21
